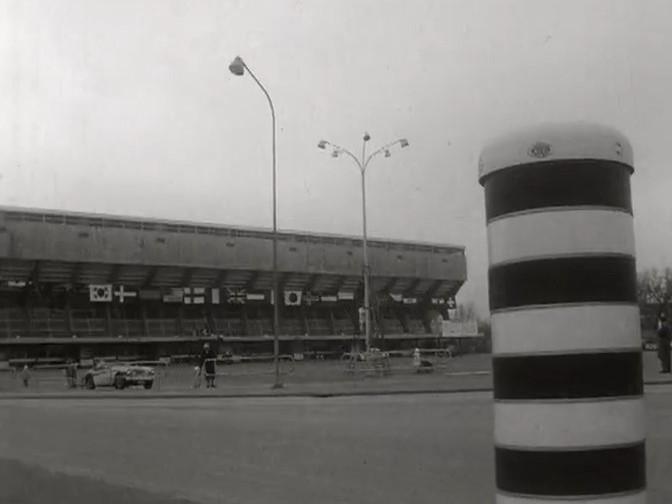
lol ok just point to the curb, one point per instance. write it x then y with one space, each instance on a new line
263 395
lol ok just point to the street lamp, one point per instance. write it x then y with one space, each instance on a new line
363 163
238 67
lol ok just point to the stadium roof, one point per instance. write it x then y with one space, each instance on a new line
149 223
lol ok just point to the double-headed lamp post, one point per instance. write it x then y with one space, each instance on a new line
363 163
238 67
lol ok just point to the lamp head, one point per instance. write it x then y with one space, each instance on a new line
367 137
387 153
334 154
322 144
403 142
237 67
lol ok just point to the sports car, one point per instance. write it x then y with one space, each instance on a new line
118 376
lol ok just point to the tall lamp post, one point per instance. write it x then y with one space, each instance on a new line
238 67
363 163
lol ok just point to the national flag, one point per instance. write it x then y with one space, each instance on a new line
20 283
293 297
451 303
328 298
193 295
121 294
409 300
214 296
438 301
345 296
236 296
100 293
309 298
397 297
175 295
150 294
255 296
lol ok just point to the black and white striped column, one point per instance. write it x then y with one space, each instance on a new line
567 363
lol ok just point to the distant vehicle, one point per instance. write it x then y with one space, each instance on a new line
118 376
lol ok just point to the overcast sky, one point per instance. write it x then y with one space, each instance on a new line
128 107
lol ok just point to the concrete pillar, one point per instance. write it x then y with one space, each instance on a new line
567 362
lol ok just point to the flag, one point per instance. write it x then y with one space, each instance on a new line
345 296
101 293
175 295
236 296
309 298
193 295
438 301
409 300
214 296
293 298
150 294
328 298
121 294
451 303
397 297
252 296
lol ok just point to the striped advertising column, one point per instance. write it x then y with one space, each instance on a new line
567 362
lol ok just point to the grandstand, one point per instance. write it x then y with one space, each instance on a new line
76 285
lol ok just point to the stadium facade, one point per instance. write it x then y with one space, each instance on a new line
77 285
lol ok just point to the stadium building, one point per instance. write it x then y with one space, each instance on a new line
81 285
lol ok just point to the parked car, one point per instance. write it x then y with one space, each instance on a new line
118 376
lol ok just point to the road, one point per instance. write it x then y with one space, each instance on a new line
418 448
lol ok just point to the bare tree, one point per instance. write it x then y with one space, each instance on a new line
654 287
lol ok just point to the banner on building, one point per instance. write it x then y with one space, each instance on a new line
175 295
309 298
100 293
236 296
150 294
460 329
193 295
122 294
293 298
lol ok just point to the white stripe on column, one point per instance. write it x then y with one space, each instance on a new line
569 425
637 498
560 232
566 328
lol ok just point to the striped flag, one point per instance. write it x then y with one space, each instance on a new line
175 295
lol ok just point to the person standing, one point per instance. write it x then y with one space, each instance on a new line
208 365
664 335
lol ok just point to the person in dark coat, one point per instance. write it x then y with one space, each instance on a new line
664 335
208 365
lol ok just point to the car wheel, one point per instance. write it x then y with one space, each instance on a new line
148 385
119 382
89 383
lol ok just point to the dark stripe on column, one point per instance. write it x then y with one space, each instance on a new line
558 183
568 376
563 473
563 280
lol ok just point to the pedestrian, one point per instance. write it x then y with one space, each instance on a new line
71 373
25 375
664 335
208 365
